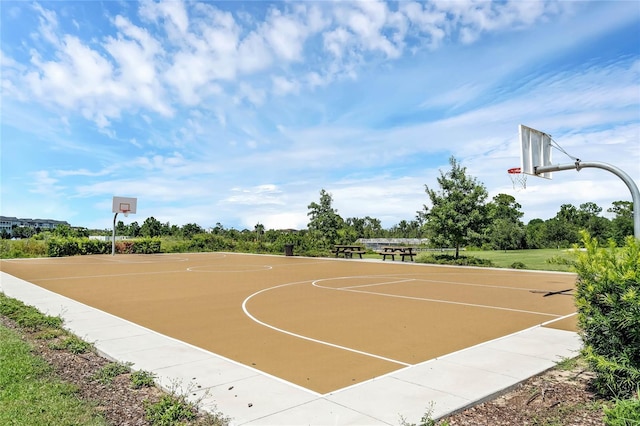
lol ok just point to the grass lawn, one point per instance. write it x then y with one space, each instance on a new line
30 394
541 259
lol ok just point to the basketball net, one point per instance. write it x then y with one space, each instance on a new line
518 179
126 213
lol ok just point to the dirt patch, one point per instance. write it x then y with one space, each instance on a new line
558 397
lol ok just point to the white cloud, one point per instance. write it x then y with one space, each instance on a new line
365 99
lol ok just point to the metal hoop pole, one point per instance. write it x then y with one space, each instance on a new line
635 193
113 236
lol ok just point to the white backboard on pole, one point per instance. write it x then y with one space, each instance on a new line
535 151
125 205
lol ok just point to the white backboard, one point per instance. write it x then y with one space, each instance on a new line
535 151
124 205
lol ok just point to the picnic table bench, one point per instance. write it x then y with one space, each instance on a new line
392 252
348 250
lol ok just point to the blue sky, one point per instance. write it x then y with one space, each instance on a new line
241 112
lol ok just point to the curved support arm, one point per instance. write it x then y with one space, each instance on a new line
635 193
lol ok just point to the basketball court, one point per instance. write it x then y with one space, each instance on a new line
318 327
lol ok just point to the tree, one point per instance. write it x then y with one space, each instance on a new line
121 228
191 229
134 229
506 231
589 219
324 219
535 234
504 206
506 234
458 211
259 230
151 227
563 229
622 223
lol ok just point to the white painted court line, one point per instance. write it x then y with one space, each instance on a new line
310 339
80 277
426 299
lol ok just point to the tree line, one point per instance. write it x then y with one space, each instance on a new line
458 215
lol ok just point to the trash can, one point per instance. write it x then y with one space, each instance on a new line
288 249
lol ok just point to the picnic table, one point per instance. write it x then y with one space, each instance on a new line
394 251
347 250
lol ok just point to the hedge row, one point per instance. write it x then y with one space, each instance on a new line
60 247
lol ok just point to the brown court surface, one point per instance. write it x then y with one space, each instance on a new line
323 324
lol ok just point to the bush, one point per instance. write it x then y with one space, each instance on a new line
448 259
608 302
146 246
518 265
30 247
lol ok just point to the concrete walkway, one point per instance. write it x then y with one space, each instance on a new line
251 397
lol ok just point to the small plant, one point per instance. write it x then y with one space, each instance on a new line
568 364
426 420
142 379
625 412
559 260
73 344
170 410
518 265
50 334
110 371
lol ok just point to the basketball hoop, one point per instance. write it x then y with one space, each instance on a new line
518 179
126 213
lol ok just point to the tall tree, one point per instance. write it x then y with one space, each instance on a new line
563 230
535 234
151 227
506 231
458 211
597 226
622 223
324 220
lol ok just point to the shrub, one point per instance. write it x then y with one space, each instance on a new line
170 410
608 302
146 246
30 247
142 379
448 259
518 265
625 412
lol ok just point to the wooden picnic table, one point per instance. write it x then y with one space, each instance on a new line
393 251
348 250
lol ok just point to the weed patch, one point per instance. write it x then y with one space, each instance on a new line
142 379
73 344
110 371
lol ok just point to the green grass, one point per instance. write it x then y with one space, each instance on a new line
31 395
542 259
